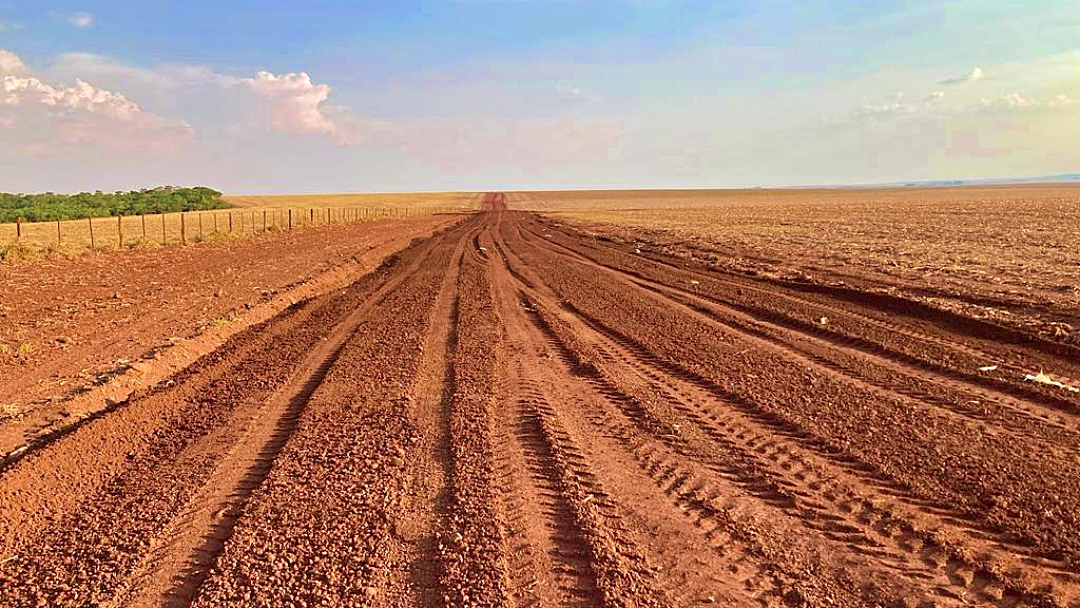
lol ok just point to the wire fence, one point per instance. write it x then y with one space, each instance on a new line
118 232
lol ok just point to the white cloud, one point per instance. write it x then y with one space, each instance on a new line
85 97
974 75
889 109
53 118
10 63
297 105
1017 102
81 20
1059 101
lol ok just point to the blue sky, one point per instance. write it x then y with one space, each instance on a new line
483 94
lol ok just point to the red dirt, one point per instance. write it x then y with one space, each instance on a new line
98 326
509 413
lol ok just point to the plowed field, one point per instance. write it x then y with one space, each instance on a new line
512 413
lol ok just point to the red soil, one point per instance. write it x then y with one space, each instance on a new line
508 413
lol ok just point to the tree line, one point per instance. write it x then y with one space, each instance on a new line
50 206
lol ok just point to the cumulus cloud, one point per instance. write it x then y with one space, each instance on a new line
81 20
298 105
51 118
10 63
974 75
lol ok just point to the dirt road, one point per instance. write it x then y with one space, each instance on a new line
509 414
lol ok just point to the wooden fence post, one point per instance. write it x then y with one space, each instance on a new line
183 229
311 216
90 220
57 233
290 219
230 222
264 220
120 230
164 240
18 228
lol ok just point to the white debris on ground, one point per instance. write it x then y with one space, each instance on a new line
988 368
1042 378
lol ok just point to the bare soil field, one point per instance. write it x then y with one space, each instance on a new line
517 412
1006 253
78 332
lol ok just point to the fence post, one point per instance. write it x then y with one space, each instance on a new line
290 219
90 220
143 217
164 240
230 222
18 228
120 230
252 222
57 233
183 229
311 216
264 220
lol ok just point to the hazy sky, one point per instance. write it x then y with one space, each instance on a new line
308 96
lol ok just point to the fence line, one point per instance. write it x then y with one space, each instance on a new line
95 233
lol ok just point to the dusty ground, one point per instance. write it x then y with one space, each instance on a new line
513 413
1005 253
70 328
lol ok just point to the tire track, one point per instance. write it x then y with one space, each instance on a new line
611 570
827 500
782 475
339 519
549 560
779 423
689 475
181 556
1057 409
1011 417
